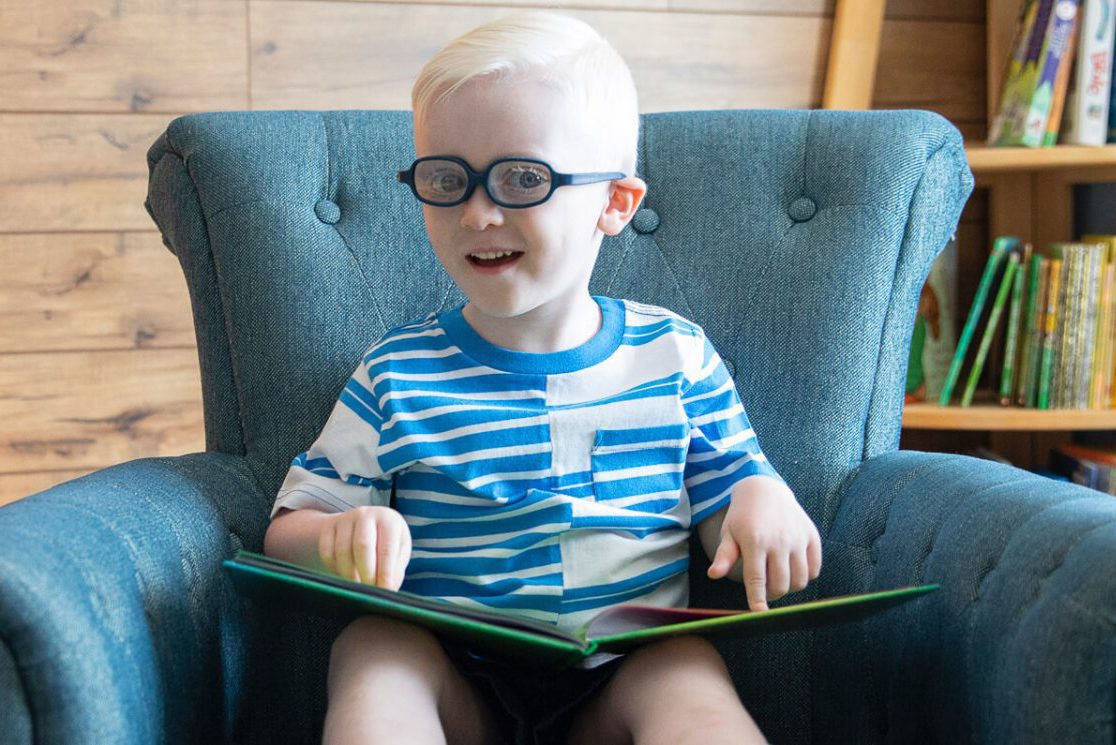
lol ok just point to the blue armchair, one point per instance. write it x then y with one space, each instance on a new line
798 239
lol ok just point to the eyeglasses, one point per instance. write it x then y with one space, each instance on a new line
446 180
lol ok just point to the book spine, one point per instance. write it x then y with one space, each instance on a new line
1055 47
1039 333
990 330
1061 85
1000 247
1106 315
1019 78
1011 344
1088 117
1029 324
1067 351
1050 324
1088 324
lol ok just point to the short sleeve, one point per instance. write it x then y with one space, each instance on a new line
723 446
341 469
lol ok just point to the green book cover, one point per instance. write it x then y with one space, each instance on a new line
1014 331
1036 298
1049 333
1000 247
990 330
530 642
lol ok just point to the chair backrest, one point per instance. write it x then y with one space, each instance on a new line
798 239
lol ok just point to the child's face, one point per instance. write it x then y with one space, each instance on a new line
559 239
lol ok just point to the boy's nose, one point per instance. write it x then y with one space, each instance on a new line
478 211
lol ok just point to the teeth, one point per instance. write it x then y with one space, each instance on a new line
497 255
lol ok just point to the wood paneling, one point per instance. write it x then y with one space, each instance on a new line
81 410
122 55
65 291
63 172
97 359
679 60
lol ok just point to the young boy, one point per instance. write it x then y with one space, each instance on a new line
549 450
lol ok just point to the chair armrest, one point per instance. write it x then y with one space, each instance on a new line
115 619
1018 645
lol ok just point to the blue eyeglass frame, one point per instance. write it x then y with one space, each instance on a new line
481 177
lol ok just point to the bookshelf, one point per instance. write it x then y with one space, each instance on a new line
1029 194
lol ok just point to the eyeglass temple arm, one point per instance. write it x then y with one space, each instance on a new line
572 179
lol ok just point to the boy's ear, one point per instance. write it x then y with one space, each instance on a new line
624 200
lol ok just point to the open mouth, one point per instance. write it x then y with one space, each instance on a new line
494 259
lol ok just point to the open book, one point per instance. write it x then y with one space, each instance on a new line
530 642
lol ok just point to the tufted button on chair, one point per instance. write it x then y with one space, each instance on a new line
798 239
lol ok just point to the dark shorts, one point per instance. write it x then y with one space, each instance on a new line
532 707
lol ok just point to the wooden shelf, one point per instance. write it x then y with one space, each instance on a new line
991 417
984 159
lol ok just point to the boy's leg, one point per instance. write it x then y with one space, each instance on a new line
671 692
391 682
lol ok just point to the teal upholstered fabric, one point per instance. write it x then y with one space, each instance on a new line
798 239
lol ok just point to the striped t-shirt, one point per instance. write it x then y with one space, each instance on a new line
552 485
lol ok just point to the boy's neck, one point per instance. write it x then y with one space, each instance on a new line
543 330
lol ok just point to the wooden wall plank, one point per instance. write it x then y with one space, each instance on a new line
122 55
85 410
63 172
366 55
91 291
935 65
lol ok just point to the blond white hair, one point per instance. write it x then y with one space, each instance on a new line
551 48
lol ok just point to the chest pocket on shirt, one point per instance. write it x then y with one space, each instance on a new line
640 469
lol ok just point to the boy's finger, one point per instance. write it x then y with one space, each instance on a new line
343 549
814 555
755 579
325 546
364 551
386 549
724 559
799 570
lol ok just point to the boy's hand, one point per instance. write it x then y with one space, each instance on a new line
367 544
779 544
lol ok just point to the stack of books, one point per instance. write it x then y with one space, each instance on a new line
1058 314
1058 82
1089 466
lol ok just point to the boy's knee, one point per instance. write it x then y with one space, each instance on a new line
373 640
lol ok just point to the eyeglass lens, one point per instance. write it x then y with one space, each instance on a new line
511 181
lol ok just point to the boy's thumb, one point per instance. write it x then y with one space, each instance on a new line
726 556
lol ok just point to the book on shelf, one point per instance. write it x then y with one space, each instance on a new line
1000 248
1058 81
1087 466
1089 98
1058 350
934 337
1037 74
1006 284
532 642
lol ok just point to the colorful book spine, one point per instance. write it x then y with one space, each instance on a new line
1061 383
1006 286
1000 248
1039 279
1020 74
1091 273
1050 325
1087 111
1101 394
1012 344
1061 85
1055 48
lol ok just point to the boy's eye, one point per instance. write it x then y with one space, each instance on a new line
446 182
526 177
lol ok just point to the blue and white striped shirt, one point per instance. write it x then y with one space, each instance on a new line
552 485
